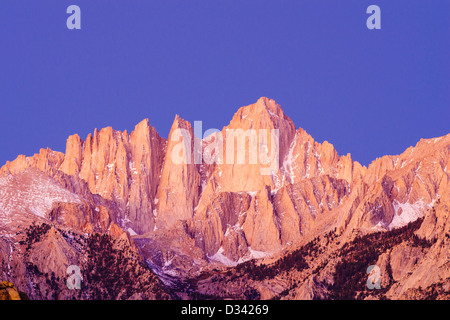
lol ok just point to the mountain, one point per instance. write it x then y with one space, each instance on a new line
259 201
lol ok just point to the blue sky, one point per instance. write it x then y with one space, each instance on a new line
368 92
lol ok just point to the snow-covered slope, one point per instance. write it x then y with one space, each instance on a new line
30 193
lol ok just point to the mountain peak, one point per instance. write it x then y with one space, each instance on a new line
264 114
263 105
144 123
267 104
180 123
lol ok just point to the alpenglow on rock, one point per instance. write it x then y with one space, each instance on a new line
127 183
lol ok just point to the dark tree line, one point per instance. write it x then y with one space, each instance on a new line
113 271
34 233
293 260
350 274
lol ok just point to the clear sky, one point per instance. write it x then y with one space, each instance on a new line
368 92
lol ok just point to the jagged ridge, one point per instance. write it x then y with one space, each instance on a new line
230 212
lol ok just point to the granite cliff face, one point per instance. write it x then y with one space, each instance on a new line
185 204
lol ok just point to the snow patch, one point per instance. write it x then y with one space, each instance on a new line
258 254
220 257
34 193
289 161
132 167
131 232
252 193
409 212
272 114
